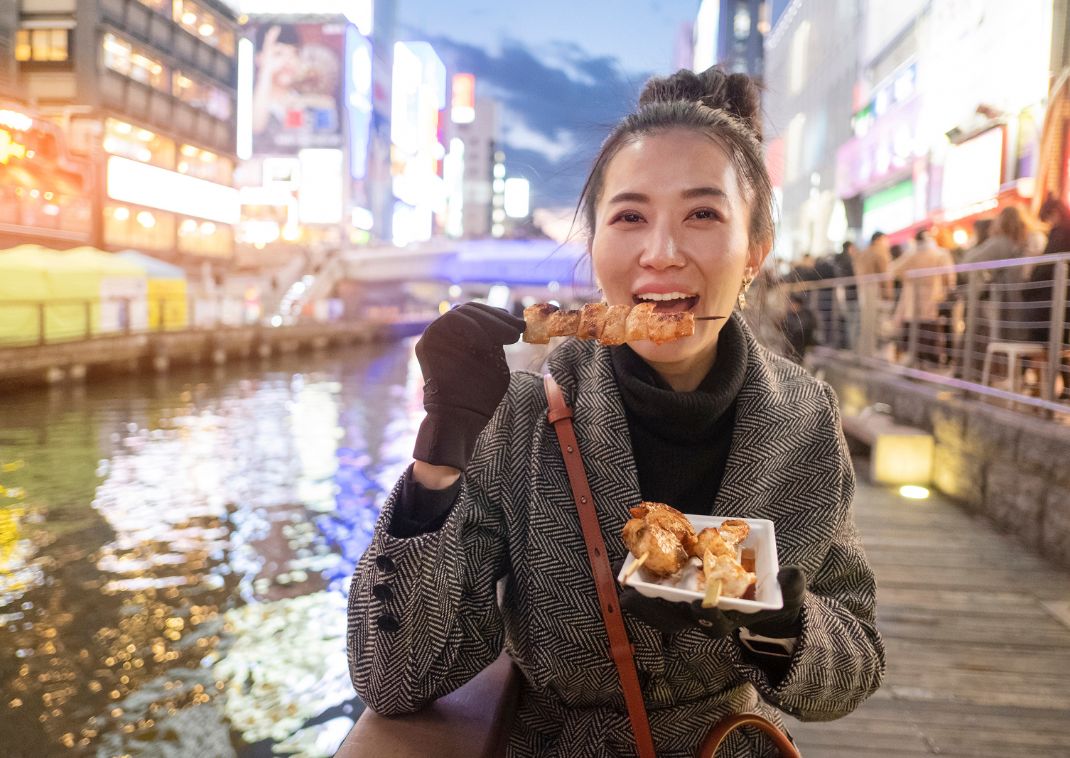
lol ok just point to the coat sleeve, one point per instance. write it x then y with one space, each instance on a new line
839 657
423 610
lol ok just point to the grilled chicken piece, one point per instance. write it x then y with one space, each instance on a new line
661 531
710 540
609 324
734 531
665 554
724 568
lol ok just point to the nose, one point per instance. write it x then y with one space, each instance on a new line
662 250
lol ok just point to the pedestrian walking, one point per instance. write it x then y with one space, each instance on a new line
874 295
678 202
921 297
847 297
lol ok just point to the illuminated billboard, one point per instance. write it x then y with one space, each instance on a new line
419 100
359 12
153 187
973 172
463 99
358 100
297 87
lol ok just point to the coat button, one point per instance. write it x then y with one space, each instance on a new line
388 623
382 592
385 564
705 622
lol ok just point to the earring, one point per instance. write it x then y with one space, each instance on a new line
748 277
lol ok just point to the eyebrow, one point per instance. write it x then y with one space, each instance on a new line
688 194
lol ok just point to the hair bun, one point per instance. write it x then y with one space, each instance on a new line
736 94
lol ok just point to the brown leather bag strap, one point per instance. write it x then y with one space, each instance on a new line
726 725
620 648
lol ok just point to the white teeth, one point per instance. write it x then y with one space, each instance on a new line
661 296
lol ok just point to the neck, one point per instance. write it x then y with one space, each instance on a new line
687 375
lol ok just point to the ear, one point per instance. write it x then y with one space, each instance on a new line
757 255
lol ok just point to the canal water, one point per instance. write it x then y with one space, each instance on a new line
175 553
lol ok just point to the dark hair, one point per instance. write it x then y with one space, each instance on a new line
1011 224
920 235
724 107
845 249
1053 208
982 227
876 236
287 35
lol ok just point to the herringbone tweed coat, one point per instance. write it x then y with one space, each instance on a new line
515 518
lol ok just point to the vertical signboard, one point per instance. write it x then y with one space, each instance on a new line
358 100
297 89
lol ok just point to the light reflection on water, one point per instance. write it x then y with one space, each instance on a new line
174 553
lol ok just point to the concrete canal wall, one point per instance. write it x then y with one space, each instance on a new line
1006 465
80 360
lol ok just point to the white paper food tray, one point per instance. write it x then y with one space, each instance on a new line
679 588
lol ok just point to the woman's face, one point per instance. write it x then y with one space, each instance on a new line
671 225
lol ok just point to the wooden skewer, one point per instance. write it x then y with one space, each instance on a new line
713 593
633 568
709 318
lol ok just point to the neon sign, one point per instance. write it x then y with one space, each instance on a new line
9 147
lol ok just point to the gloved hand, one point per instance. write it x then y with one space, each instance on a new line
670 618
465 377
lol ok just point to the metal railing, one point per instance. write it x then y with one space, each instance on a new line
40 322
996 329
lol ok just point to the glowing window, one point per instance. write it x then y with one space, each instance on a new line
42 45
203 25
124 58
211 100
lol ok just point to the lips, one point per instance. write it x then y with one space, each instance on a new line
668 302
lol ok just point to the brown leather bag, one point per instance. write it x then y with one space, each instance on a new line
620 648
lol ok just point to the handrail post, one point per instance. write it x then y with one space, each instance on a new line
1058 322
40 323
969 344
915 313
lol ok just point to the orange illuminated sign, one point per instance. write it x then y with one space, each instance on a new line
463 101
10 147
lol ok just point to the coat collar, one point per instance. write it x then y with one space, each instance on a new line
773 414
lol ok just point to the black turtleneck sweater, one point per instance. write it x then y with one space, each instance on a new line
680 440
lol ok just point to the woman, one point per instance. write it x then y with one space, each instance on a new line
678 209
1002 309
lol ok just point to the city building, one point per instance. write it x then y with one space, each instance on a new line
477 201
893 117
731 33
9 24
947 117
811 67
315 93
145 91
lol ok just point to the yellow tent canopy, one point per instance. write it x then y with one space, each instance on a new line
69 294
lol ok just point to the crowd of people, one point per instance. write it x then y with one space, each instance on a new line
875 316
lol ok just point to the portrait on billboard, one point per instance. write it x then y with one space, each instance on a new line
297 88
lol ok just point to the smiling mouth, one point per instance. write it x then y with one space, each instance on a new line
671 302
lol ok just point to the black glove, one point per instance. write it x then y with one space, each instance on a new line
670 618
465 377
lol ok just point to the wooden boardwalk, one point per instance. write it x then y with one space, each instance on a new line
977 631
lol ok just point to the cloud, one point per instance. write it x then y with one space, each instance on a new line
558 104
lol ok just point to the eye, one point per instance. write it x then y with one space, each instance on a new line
628 217
705 214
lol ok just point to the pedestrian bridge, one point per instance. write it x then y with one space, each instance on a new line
511 262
